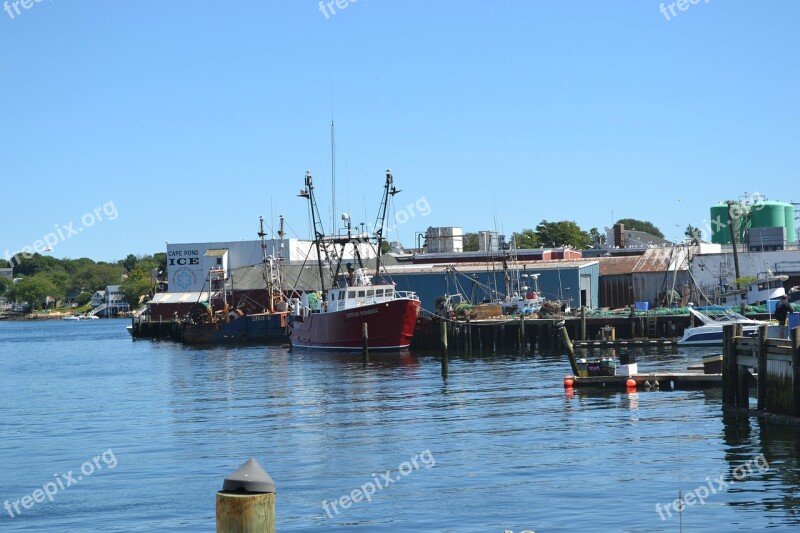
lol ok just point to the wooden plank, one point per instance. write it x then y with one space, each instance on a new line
746 343
779 350
787 357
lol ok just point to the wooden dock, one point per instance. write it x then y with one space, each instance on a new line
653 381
777 367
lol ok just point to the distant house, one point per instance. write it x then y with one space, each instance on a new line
98 298
72 296
115 300
7 273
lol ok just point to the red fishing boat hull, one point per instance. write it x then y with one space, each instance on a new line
390 327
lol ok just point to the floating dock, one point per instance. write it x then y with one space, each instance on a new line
653 381
625 343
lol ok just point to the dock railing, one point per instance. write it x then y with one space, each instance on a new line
776 364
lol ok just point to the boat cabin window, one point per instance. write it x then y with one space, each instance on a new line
776 284
388 293
333 296
351 294
762 286
378 293
360 294
370 293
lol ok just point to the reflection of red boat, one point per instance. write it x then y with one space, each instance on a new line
334 318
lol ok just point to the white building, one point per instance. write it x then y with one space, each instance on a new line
188 263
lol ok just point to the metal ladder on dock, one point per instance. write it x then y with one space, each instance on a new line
652 325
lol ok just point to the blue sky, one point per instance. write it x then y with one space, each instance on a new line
194 118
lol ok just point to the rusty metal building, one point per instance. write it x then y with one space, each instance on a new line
643 278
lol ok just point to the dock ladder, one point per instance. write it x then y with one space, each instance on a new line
652 325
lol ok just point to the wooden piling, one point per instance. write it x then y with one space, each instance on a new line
729 373
365 341
523 344
583 322
742 387
762 368
469 336
443 336
246 503
570 351
795 335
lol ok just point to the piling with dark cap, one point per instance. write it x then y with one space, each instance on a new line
246 503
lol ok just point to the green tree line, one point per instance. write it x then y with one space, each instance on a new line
43 277
548 234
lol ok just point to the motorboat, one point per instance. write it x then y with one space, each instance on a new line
709 332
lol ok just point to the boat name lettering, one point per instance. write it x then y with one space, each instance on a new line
365 312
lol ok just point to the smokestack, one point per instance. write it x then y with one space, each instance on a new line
619 235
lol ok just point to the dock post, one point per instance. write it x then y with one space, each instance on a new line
523 343
365 340
570 351
469 336
443 336
742 387
795 336
583 322
729 374
246 503
762 368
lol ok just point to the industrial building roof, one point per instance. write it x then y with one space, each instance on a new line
652 260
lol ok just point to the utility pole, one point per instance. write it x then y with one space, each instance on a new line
732 229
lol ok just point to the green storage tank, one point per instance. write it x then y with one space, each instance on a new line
768 214
791 233
720 233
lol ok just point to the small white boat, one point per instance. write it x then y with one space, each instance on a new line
709 333
71 317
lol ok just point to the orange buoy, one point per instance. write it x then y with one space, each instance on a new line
568 381
631 383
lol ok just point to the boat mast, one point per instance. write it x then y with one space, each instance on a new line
388 190
316 221
266 274
281 233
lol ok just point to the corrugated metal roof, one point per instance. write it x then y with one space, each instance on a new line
554 264
180 297
652 260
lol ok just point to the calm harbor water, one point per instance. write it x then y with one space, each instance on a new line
152 429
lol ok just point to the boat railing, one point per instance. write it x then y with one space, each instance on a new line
408 295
